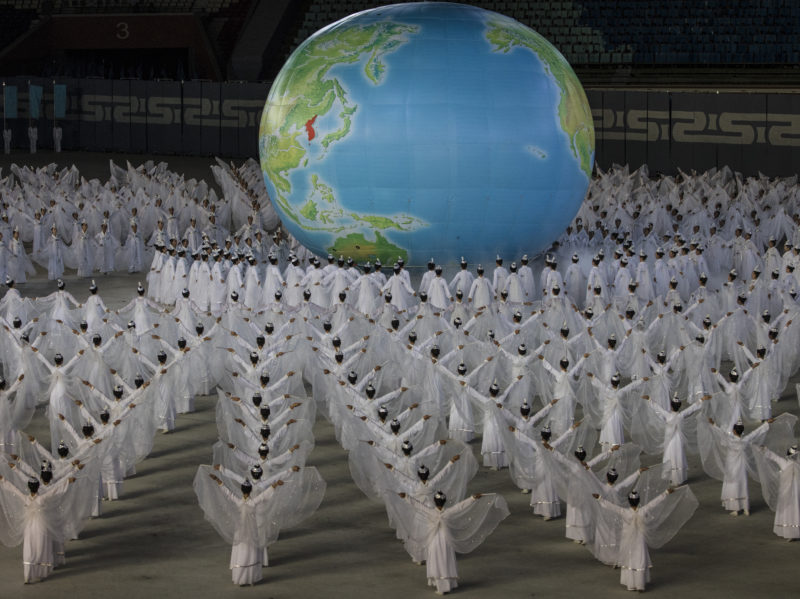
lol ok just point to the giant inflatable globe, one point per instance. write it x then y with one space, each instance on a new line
426 130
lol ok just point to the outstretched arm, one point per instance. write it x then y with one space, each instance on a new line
574 370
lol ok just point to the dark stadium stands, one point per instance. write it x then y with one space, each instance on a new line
122 6
636 32
608 42
706 32
15 20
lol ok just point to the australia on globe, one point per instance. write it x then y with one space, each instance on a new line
426 130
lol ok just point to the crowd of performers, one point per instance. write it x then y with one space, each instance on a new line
670 332
98 228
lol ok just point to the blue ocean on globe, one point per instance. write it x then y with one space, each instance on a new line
426 130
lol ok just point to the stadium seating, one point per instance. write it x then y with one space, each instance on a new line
15 20
615 34
119 6
635 32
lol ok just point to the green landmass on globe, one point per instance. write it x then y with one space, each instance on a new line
355 244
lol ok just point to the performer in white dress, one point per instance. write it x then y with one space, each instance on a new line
652 524
442 531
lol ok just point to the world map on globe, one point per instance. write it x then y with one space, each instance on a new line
426 130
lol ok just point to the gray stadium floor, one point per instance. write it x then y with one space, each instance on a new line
154 542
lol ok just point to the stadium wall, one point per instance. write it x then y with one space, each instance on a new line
111 33
750 132
151 117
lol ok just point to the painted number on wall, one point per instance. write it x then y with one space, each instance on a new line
122 31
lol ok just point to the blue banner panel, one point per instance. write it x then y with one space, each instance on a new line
9 101
34 100
59 101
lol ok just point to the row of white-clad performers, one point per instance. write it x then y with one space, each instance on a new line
103 419
95 226
633 238
657 229
404 396
659 235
